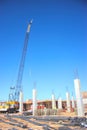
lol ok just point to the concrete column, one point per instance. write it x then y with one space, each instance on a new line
59 103
73 103
21 102
53 102
34 101
68 101
80 109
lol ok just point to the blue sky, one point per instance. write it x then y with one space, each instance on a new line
57 46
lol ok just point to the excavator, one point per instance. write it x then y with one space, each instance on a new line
12 105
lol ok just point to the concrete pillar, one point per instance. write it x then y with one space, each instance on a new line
53 102
73 103
34 101
80 109
68 101
21 102
59 103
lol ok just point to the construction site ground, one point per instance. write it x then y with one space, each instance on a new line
21 122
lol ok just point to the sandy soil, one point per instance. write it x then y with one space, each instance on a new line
30 126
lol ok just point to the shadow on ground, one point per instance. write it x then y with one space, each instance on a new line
64 128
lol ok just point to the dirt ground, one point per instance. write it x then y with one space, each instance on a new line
20 124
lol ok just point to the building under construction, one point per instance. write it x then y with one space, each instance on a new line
42 104
15 102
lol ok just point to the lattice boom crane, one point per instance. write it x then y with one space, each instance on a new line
22 63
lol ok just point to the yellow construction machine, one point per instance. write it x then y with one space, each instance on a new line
9 106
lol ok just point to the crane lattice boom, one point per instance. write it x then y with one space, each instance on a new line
22 63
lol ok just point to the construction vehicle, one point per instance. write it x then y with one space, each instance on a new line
13 103
9 106
3 107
